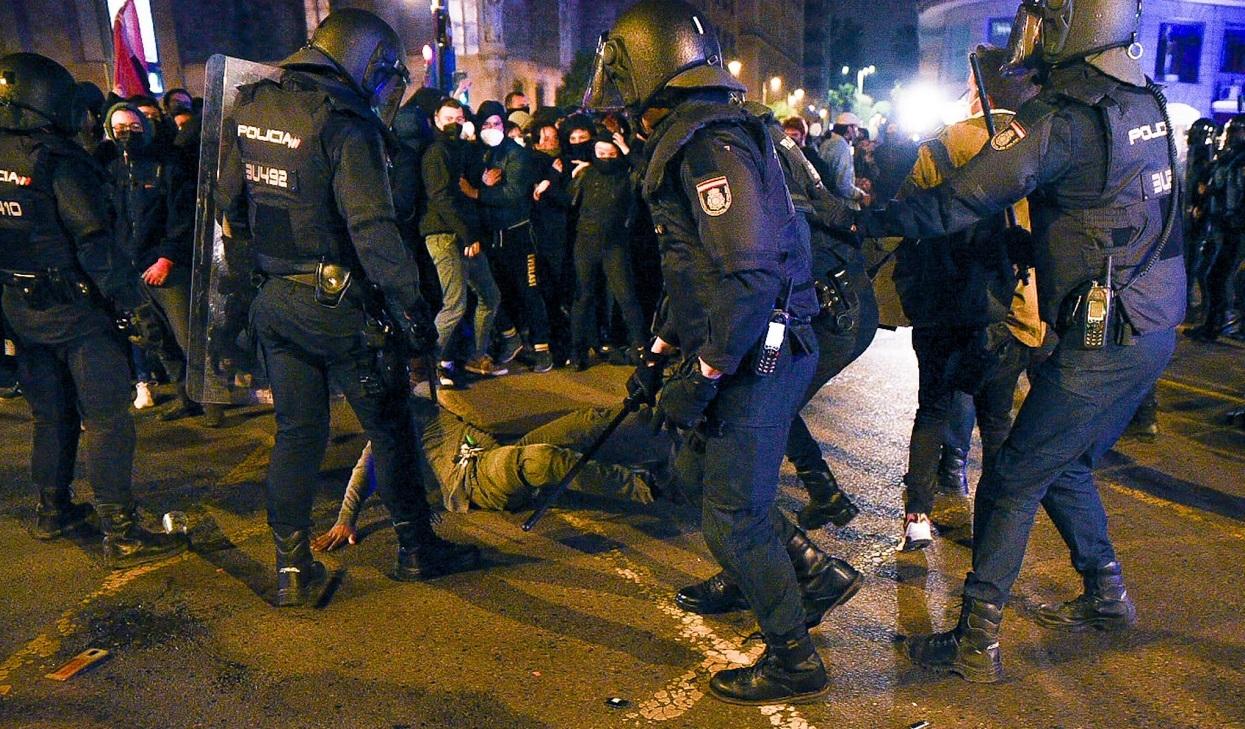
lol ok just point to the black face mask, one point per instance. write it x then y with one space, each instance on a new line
580 152
453 130
129 141
612 166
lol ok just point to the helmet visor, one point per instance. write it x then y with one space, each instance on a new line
603 93
1022 47
388 95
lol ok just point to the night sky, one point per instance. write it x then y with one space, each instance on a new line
878 35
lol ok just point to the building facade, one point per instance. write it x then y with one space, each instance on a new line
502 45
1195 48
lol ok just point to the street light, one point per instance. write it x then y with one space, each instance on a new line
860 78
773 87
798 94
735 67
846 70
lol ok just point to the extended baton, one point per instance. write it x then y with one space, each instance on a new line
430 364
988 115
552 495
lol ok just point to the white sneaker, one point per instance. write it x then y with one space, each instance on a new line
142 396
917 533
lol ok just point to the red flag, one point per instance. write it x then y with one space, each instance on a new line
129 57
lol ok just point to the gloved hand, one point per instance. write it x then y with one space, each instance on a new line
417 327
685 398
645 382
142 326
1019 247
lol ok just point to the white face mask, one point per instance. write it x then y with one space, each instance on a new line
469 130
520 141
492 137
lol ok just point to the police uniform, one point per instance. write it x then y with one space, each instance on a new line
1092 153
58 265
845 325
309 157
732 252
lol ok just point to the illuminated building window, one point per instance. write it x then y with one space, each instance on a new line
1179 52
998 31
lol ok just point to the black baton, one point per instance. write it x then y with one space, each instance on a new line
552 495
988 115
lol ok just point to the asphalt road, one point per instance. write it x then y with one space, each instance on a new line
580 610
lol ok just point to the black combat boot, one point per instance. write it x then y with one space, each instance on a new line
183 406
718 594
971 651
953 471
786 673
422 555
126 544
826 582
1104 605
300 579
57 514
826 501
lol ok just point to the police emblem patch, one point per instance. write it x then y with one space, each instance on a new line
715 195
1009 137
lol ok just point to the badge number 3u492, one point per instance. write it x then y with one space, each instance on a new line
714 195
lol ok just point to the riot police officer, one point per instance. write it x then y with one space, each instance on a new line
309 164
739 300
1227 189
60 274
1094 153
1198 226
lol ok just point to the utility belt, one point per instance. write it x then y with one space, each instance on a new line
837 299
1091 315
331 281
45 289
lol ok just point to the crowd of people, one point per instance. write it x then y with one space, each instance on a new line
696 225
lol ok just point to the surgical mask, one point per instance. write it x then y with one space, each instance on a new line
453 130
520 141
492 137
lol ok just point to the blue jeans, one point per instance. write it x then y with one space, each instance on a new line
458 273
1080 403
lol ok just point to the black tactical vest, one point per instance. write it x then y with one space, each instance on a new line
293 214
32 238
1124 219
686 266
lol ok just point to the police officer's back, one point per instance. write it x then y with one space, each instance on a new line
1094 154
59 270
310 160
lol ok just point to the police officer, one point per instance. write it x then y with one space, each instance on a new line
58 266
309 160
1198 168
1227 187
1093 152
739 303
845 325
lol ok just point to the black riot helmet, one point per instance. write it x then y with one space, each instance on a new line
37 92
654 46
1233 133
1202 135
1051 32
365 51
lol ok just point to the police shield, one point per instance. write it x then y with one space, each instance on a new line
222 364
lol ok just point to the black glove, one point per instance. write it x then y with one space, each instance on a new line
685 398
1019 247
645 382
142 326
416 325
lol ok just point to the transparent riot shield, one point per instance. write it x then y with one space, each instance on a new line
222 363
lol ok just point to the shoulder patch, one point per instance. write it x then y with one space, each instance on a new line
714 195
1012 135
787 142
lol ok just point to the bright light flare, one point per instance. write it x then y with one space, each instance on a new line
922 109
